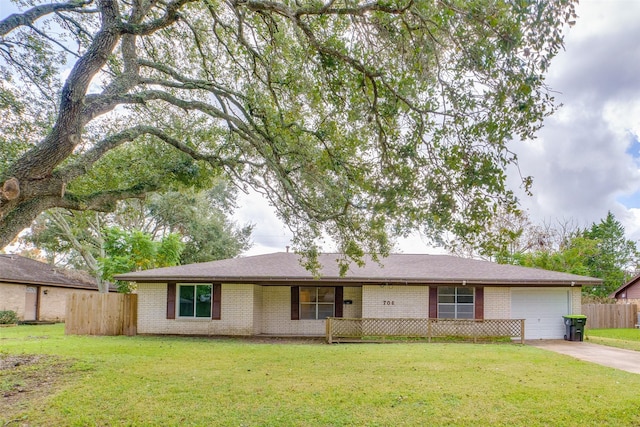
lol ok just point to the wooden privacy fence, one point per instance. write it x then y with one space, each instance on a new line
610 315
101 314
375 330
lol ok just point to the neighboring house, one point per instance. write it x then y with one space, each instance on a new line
37 291
274 295
629 293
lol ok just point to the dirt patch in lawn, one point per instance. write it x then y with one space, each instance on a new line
27 378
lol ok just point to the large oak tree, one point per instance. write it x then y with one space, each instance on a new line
361 119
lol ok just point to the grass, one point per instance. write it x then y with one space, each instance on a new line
167 381
628 338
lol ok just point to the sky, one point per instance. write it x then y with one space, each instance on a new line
585 161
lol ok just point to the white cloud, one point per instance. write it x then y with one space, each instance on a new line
585 159
270 234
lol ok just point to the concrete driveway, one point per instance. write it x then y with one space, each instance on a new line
626 360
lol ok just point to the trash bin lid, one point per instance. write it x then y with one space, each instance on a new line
574 316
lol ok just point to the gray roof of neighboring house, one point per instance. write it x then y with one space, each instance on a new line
20 270
279 268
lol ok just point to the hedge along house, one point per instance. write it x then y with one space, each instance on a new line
37 291
274 295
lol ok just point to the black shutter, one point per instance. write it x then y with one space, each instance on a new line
216 297
339 301
171 300
295 303
433 302
479 304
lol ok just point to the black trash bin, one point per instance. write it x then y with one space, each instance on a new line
574 324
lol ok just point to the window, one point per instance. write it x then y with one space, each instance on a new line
195 300
455 303
316 302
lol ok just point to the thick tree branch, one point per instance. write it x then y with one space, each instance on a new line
171 15
66 134
326 9
104 201
27 18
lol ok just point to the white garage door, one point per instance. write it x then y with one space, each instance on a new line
542 310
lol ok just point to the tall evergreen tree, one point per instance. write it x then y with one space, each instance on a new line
617 257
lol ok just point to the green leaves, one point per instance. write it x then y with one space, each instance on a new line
600 251
617 258
163 230
135 251
360 121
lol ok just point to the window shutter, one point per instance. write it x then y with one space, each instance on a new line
171 300
433 302
339 301
295 303
216 297
479 303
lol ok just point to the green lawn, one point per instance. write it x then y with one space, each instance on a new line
623 338
172 381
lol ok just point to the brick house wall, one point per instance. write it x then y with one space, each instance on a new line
12 297
353 310
245 310
248 309
395 301
497 302
236 309
257 309
52 305
53 302
576 300
272 316
276 319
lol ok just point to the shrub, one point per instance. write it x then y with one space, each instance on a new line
8 316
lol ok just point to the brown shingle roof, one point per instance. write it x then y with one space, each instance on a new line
397 268
21 270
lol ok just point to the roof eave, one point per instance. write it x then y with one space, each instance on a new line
50 284
357 280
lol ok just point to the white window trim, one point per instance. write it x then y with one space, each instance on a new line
457 304
316 304
193 318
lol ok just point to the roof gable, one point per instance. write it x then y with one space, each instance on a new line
634 282
397 268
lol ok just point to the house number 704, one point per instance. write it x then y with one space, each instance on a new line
388 302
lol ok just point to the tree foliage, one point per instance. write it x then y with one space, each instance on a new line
201 218
601 250
88 240
574 257
360 120
617 256
135 251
